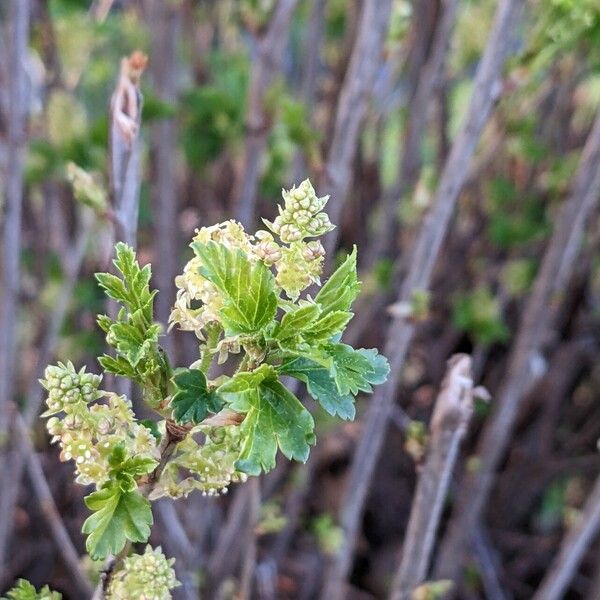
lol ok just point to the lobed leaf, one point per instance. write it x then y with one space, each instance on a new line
248 288
333 323
321 385
132 288
357 370
117 365
297 320
341 289
274 418
117 516
193 401
125 469
133 341
24 590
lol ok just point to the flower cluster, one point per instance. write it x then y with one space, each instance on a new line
194 288
87 433
297 263
210 466
302 215
68 388
148 576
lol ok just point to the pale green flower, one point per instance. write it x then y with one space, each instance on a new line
148 576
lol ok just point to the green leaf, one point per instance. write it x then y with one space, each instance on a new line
104 322
25 591
380 367
132 341
357 370
152 427
117 365
245 382
124 469
248 289
274 417
322 386
341 289
113 287
132 288
326 327
334 383
296 320
193 401
133 333
117 516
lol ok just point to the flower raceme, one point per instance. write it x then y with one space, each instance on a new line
242 297
149 576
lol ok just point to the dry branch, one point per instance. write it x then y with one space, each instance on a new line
424 256
358 84
164 26
250 547
429 80
125 157
264 69
489 565
451 416
62 540
556 269
15 463
16 122
576 542
125 147
220 563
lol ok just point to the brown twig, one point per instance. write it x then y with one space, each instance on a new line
451 416
264 69
107 572
490 568
59 532
125 120
250 549
164 25
351 109
16 122
423 258
429 77
221 561
557 266
573 547
13 467
174 435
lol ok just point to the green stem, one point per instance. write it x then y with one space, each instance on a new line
213 333
111 567
243 366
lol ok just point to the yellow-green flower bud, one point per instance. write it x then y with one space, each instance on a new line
67 387
290 233
148 576
268 252
313 251
319 225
